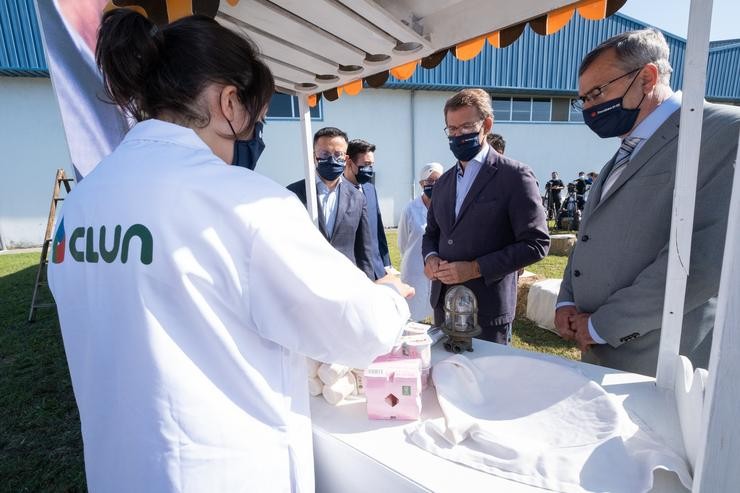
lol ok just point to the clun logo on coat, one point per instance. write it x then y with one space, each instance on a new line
60 243
88 244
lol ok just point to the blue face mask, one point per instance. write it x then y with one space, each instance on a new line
610 118
465 146
364 174
428 190
247 152
330 168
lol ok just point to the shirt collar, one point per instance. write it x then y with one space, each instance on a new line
161 131
657 117
321 186
477 160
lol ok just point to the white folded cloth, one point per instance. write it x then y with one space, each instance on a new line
340 389
542 424
330 373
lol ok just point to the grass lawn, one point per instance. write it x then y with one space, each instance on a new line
40 442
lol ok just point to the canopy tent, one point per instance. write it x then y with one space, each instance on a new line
332 47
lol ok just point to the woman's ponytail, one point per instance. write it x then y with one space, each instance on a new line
127 52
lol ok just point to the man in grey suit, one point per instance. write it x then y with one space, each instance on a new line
342 208
611 298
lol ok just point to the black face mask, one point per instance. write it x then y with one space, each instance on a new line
247 152
610 118
330 168
428 189
465 146
364 174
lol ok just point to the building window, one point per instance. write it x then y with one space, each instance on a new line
521 110
541 109
502 109
560 110
575 115
285 107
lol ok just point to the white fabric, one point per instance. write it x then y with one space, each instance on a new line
330 373
411 228
340 389
428 169
315 386
569 435
541 300
189 371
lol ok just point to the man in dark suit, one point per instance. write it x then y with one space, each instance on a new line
342 208
360 171
485 222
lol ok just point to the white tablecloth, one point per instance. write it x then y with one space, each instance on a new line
353 453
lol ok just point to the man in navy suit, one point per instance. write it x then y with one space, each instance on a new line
342 208
360 171
485 222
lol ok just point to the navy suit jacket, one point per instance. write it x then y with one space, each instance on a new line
380 255
501 224
351 235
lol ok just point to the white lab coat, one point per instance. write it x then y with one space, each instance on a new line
410 233
189 371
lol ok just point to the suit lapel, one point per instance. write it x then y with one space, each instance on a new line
322 223
342 203
487 170
662 137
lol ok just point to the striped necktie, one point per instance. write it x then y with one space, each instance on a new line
623 158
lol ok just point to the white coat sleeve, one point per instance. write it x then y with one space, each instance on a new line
311 299
403 230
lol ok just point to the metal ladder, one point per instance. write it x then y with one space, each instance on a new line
61 179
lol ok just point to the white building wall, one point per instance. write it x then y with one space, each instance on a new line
33 148
406 126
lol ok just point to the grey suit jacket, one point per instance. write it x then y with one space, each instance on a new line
617 271
351 234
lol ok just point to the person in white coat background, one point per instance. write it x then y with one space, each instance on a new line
189 290
411 228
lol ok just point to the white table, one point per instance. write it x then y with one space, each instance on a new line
355 454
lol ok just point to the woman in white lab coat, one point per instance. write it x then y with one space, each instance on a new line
189 290
410 232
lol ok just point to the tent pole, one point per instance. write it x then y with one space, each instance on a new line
307 152
684 192
716 462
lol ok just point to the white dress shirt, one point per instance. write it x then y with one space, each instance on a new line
465 178
329 202
644 131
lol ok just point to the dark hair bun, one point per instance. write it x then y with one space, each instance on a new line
127 52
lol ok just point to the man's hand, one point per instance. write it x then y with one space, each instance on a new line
579 322
563 317
431 266
403 289
457 272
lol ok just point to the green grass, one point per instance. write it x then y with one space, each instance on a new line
40 442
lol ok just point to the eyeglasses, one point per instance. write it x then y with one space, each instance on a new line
339 155
465 128
577 104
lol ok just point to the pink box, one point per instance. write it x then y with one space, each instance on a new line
393 388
